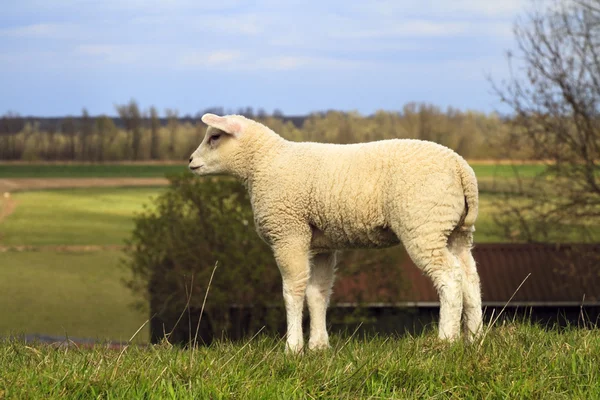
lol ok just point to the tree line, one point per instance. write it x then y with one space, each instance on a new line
140 135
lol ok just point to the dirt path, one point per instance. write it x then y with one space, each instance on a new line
62 248
20 184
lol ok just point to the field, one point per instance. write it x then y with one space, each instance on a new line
79 294
514 361
91 216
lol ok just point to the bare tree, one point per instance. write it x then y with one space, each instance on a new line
86 132
106 135
154 128
69 129
555 99
172 124
10 125
130 114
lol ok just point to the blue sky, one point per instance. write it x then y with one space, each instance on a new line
59 56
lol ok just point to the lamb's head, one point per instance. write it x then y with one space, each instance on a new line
222 146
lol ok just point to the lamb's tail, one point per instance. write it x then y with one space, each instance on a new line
471 191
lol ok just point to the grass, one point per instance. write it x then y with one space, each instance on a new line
78 294
515 361
91 216
507 171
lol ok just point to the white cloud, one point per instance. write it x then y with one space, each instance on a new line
410 28
114 54
235 60
244 24
45 30
443 8
219 58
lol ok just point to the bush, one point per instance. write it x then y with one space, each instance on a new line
175 246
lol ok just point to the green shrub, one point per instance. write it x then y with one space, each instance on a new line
175 245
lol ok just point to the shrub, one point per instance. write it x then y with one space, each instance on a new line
175 245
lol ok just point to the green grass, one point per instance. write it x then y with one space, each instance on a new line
515 361
89 171
78 294
507 171
91 216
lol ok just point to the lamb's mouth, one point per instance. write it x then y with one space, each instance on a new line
198 167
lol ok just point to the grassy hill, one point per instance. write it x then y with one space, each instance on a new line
515 361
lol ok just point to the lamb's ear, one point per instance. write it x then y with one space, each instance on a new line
226 124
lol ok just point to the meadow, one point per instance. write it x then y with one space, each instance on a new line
516 360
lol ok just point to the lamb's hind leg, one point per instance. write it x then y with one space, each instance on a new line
317 297
460 243
443 268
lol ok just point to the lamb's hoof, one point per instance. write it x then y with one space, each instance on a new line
472 337
293 349
448 337
318 345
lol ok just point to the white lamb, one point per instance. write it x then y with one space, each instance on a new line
311 199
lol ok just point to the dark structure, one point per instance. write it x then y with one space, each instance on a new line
547 283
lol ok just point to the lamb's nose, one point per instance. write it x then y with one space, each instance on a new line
191 158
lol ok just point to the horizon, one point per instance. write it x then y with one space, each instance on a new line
299 58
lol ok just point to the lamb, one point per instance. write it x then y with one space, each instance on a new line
312 199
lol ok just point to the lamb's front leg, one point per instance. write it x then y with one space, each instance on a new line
293 261
317 297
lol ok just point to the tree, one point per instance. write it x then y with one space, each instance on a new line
10 125
106 134
69 129
172 125
555 99
87 130
154 129
130 114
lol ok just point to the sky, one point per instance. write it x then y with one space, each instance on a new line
59 56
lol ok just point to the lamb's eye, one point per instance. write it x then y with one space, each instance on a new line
214 138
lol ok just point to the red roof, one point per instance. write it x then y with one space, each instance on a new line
560 275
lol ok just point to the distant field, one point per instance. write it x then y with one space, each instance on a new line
484 170
78 294
97 216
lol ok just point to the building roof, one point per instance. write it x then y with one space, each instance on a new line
550 274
